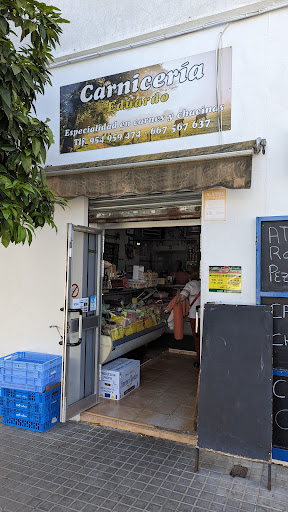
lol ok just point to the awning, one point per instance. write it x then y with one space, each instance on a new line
228 165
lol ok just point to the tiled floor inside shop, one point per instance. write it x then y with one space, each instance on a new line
82 468
166 397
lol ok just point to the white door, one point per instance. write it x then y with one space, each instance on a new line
82 320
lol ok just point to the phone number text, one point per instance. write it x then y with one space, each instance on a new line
160 130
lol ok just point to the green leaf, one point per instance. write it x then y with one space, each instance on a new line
42 32
14 212
5 238
43 176
28 188
26 162
5 95
13 159
16 69
8 148
50 135
4 27
43 154
30 236
28 79
7 110
32 26
6 213
14 131
21 234
36 145
10 222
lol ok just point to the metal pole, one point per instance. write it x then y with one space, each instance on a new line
269 476
197 460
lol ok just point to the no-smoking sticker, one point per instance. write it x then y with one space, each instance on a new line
75 290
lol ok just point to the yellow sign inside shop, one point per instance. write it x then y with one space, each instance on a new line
162 101
225 279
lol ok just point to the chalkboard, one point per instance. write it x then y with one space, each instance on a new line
235 396
280 330
280 410
274 256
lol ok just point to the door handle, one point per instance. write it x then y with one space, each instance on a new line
77 343
197 320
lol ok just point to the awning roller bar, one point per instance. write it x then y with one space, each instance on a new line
128 203
153 163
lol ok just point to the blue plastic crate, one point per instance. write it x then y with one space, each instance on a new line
31 425
30 371
31 396
37 417
29 402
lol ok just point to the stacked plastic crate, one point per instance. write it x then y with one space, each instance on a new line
30 390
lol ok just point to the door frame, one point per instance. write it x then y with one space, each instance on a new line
161 224
83 404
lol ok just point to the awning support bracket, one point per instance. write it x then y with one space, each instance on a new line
260 144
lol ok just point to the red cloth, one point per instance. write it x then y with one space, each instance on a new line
178 321
185 305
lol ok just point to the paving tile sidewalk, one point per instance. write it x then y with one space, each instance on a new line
78 467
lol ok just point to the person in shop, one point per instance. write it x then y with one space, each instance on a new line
181 277
191 291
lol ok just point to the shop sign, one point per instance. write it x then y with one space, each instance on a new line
225 279
163 101
215 204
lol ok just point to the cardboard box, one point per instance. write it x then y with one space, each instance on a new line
119 378
136 270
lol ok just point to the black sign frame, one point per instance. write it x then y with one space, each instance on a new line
275 292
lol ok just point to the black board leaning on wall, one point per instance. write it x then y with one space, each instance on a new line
235 397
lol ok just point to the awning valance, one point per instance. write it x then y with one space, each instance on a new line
228 166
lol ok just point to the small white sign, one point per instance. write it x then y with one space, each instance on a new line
81 303
215 204
93 303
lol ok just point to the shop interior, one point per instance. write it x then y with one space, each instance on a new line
144 269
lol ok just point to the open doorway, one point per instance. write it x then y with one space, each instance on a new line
145 268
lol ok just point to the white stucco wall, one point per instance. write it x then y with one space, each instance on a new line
103 23
32 286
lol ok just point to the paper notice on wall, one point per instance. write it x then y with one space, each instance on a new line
215 204
225 279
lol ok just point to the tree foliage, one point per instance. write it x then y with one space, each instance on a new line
25 199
